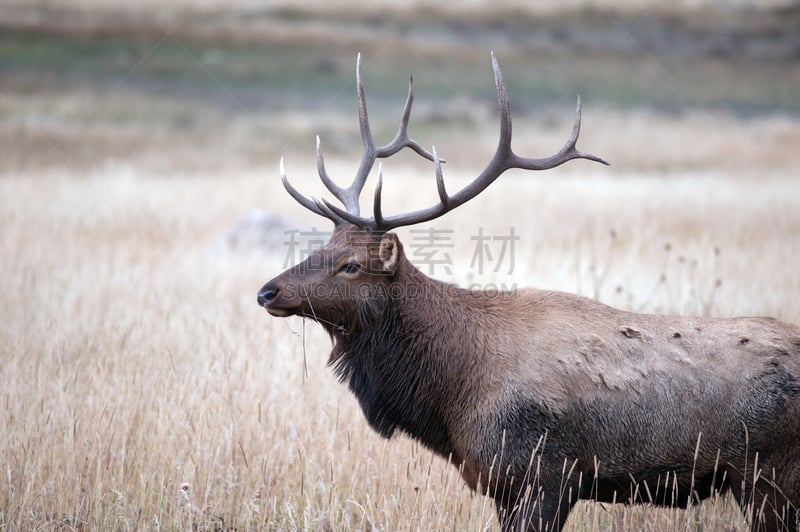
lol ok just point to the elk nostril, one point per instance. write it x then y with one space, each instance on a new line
267 294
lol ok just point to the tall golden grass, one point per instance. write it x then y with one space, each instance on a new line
144 389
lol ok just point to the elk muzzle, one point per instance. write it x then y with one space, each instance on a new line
270 297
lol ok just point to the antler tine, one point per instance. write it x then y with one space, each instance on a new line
401 139
368 158
437 166
345 216
309 203
567 152
504 143
378 220
324 206
335 189
376 205
573 139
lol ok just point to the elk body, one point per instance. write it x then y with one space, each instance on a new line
542 398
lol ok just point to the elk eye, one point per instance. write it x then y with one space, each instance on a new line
350 267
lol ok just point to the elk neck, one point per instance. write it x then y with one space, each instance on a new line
422 335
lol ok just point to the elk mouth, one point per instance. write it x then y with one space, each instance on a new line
282 312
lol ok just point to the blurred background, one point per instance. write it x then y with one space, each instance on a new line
216 86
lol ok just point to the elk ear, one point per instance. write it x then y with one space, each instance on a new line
389 251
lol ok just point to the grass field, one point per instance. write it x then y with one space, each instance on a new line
136 361
142 387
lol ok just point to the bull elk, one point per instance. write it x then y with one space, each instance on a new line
541 398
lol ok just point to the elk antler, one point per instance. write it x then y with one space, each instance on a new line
504 159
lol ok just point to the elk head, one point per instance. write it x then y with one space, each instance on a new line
340 285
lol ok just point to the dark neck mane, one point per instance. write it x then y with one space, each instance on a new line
395 364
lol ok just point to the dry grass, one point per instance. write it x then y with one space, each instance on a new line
143 388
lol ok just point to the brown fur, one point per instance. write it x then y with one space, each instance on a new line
557 392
